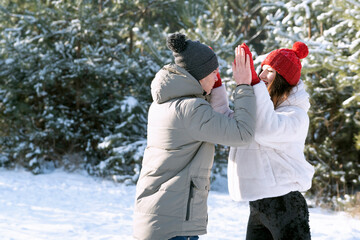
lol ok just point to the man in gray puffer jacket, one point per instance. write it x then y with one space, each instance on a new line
172 191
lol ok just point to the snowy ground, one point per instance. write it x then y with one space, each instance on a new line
68 206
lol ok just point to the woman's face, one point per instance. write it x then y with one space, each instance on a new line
268 74
207 83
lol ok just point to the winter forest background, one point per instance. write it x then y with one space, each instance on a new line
75 79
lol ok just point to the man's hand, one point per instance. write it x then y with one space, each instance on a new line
218 83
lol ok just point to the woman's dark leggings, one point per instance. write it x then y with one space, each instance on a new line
279 218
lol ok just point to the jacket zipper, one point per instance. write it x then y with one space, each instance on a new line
191 192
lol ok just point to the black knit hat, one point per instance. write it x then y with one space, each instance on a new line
196 58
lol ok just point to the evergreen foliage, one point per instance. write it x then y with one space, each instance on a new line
335 93
331 72
75 77
66 69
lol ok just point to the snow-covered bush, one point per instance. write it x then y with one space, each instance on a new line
75 78
64 71
331 72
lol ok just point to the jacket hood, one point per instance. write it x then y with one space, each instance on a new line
172 82
298 97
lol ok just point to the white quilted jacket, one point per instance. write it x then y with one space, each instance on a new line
274 163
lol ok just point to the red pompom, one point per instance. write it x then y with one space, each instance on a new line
300 49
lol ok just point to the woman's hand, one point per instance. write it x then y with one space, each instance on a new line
254 77
241 67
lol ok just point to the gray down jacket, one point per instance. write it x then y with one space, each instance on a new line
172 190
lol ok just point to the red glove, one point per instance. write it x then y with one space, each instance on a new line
218 83
254 77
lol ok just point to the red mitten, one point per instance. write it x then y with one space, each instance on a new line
218 83
254 77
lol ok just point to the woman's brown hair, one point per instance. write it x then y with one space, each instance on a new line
279 90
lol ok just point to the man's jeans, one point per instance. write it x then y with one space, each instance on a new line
185 238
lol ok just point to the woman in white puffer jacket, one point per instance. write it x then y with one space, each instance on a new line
271 171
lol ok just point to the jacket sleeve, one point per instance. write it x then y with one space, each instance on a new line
273 127
205 124
219 101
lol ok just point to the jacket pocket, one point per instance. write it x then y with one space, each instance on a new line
197 199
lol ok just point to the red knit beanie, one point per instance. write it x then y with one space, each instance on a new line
287 61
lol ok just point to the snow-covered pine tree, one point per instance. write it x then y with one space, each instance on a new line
75 76
64 68
132 39
331 30
339 87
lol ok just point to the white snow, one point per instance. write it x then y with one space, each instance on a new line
62 205
129 103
